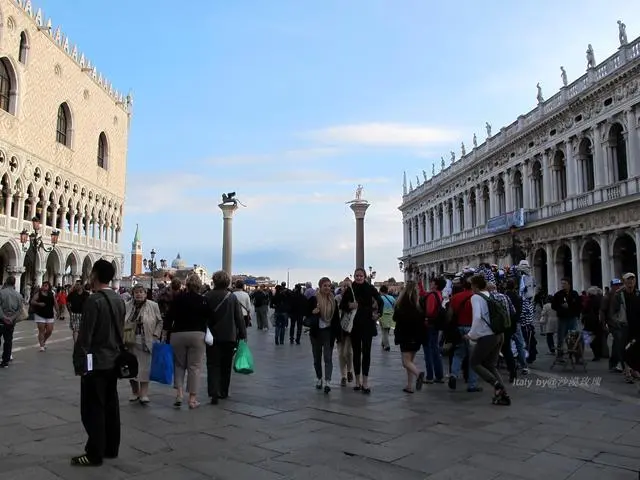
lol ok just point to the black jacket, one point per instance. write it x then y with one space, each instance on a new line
365 294
188 312
573 303
410 326
227 322
97 334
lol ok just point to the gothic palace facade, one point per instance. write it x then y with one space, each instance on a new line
63 152
565 175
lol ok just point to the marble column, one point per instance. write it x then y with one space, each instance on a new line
526 185
228 209
637 239
605 258
509 194
576 265
359 210
571 170
480 206
546 179
456 216
552 286
467 211
7 203
632 149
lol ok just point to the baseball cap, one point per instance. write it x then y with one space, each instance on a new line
628 275
616 281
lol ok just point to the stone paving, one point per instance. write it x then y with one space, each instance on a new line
277 426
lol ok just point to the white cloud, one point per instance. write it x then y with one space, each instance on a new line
290 156
384 135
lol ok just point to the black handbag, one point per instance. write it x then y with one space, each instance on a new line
126 363
632 355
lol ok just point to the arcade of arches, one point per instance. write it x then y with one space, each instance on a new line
61 266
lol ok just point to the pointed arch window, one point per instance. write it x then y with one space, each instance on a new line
103 151
63 127
24 48
5 87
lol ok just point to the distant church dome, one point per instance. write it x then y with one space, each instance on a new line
178 263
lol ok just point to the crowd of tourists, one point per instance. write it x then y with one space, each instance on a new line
474 321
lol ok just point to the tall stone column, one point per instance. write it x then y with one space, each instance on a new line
576 265
359 210
551 269
632 142
228 210
605 259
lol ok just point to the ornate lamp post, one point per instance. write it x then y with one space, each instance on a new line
372 274
151 265
33 241
409 267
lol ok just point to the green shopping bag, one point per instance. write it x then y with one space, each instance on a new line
243 362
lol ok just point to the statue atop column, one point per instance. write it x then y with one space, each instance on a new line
462 149
591 58
488 127
563 75
359 192
229 198
475 141
539 96
622 33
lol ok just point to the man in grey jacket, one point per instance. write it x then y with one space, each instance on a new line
94 360
10 309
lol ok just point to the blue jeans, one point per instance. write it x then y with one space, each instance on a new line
462 350
518 339
282 320
565 325
432 359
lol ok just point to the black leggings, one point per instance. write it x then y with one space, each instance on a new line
361 345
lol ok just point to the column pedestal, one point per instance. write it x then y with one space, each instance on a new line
228 210
359 210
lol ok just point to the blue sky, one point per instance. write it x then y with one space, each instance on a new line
292 104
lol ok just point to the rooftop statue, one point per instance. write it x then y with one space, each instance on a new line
591 58
539 97
488 127
424 174
622 33
563 75
475 141
462 149
453 156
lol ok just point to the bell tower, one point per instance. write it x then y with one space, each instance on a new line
136 254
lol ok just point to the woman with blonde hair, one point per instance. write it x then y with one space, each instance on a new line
187 322
409 316
324 329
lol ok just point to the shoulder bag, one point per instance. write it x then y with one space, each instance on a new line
346 321
126 364
208 336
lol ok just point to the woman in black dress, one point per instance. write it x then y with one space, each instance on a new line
362 327
409 316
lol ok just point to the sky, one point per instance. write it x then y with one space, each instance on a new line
292 104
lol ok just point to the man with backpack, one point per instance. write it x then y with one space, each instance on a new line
461 316
490 319
436 319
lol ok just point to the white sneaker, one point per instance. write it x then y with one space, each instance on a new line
319 384
327 386
43 349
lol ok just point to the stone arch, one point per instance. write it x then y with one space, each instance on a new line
518 191
32 262
65 124
71 267
540 268
87 265
559 179
5 193
8 66
54 266
617 145
501 195
586 167
28 201
117 267
24 47
624 252
563 262
591 261
9 258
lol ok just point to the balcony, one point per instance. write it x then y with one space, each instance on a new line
575 205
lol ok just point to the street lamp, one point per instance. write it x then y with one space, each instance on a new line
34 241
151 265
409 267
372 274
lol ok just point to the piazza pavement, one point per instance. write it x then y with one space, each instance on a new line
276 426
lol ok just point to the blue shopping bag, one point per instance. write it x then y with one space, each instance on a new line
161 364
243 362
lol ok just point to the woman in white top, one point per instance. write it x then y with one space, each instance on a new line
485 353
244 300
549 324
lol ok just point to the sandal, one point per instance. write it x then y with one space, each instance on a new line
194 404
84 461
407 390
366 390
177 403
357 388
